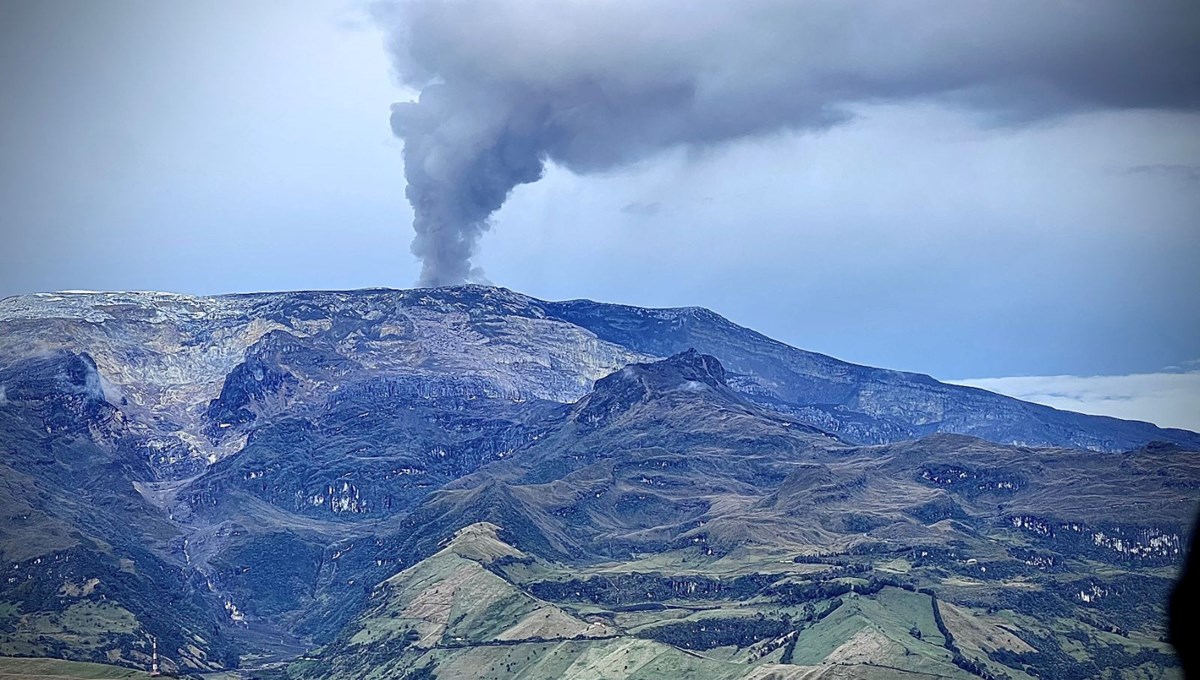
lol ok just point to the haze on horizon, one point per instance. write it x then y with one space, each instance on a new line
226 147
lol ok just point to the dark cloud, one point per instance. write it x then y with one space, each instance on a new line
507 85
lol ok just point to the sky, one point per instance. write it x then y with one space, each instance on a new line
897 205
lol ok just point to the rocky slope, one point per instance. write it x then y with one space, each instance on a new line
192 373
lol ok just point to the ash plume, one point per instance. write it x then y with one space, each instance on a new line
509 85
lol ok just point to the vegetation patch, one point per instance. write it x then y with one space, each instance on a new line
717 632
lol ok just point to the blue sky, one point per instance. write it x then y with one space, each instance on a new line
222 147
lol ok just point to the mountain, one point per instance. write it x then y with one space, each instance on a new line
665 509
195 372
395 483
862 404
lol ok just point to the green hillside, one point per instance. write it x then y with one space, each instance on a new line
458 614
27 669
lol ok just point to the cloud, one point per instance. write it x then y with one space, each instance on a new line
1180 171
642 209
507 85
1165 399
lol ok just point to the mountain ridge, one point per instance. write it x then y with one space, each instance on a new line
423 333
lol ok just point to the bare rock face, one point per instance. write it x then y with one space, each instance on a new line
65 390
197 372
194 376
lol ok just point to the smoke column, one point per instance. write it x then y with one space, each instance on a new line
509 85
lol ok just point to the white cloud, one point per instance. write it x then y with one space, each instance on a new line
1165 399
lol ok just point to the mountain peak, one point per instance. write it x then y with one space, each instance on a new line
694 366
686 370
481 542
686 373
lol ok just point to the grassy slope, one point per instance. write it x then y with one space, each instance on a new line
453 615
868 635
26 669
